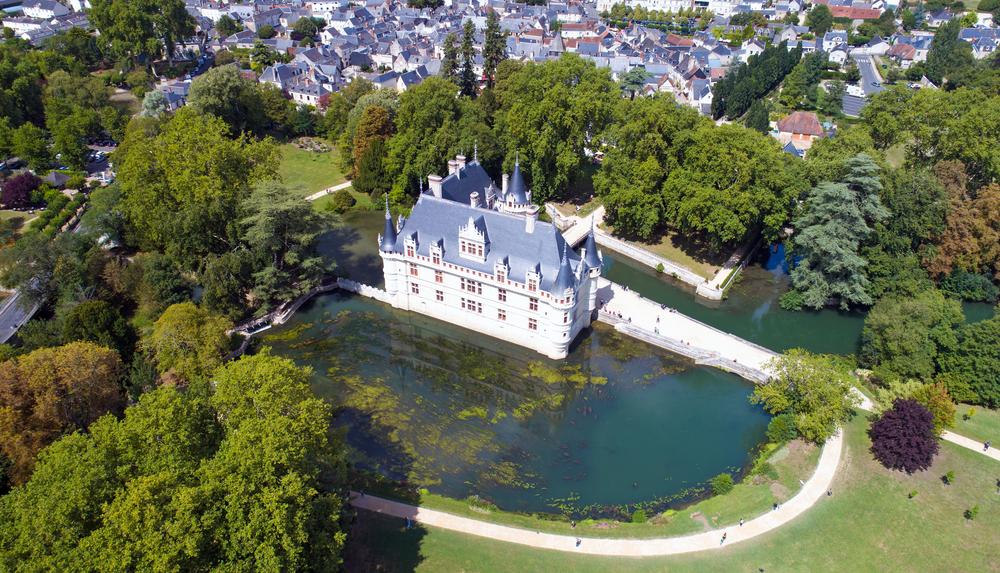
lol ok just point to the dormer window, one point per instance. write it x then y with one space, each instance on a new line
436 253
532 280
500 270
472 240
410 244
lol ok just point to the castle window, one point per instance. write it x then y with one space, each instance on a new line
438 277
501 314
501 274
436 258
502 295
413 269
414 288
439 295
532 324
409 251
532 284
565 318
533 304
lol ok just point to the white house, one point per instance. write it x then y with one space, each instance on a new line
477 257
44 9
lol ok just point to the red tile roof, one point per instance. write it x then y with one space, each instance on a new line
802 122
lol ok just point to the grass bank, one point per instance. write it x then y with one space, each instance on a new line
983 425
869 524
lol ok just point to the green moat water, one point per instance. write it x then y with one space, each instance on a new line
617 423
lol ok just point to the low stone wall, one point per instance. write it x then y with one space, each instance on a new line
364 290
645 257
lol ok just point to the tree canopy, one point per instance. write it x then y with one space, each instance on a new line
141 28
188 341
903 437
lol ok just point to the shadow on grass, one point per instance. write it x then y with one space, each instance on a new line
379 543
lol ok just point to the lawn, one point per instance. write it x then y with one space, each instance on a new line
306 172
983 425
363 201
869 524
675 248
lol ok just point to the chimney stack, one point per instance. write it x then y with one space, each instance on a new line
474 199
452 166
460 160
503 184
434 182
530 216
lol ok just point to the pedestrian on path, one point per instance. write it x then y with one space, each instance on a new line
578 541
741 522
986 446
829 492
723 538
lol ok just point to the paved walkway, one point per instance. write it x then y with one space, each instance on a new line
582 225
328 190
678 329
812 492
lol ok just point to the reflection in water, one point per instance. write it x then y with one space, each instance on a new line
618 422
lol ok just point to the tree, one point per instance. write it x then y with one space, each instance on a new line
180 482
974 361
227 280
77 44
372 177
730 180
722 484
17 190
375 123
69 142
970 240
904 337
834 222
633 80
98 322
815 388
494 47
266 32
137 29
449 63
935 398
758 117
227 26
467 77
281 232
183 188
226 94
833 100
154 104
549 113
51 392
188 341
948 53
903 437
31 144
342 202
307 28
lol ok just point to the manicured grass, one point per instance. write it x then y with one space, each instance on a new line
868 524
306 172
753 496
983 425
364 202
675 248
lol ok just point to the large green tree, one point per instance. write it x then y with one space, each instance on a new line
183 188
142 28
814 388
974 361
449 61
188 341
819 19
549 114
836 219
225 93
281 232
904 336
494 47
241 475
468 80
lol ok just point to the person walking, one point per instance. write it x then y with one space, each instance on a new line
578 541
741 522
723 538
986 446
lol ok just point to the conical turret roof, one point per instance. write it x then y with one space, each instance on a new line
389 233
517 186
565 278
591 257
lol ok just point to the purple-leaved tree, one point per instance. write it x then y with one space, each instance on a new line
17 190
903 437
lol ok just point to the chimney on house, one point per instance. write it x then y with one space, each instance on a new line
503 184
452 166
474 199
530 216
434 182
460 160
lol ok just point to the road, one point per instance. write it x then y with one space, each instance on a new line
13 315
871 81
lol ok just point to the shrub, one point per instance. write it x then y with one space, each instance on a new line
782 428
968 415
935 398
791 300
912 494
970 286
722 484
342 201
903 437
972 512
659 267
639 516
948 478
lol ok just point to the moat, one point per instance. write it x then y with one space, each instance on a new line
617 423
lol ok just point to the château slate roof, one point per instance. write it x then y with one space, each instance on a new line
433 219
459 185
517 187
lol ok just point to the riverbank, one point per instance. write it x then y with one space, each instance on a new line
869 522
